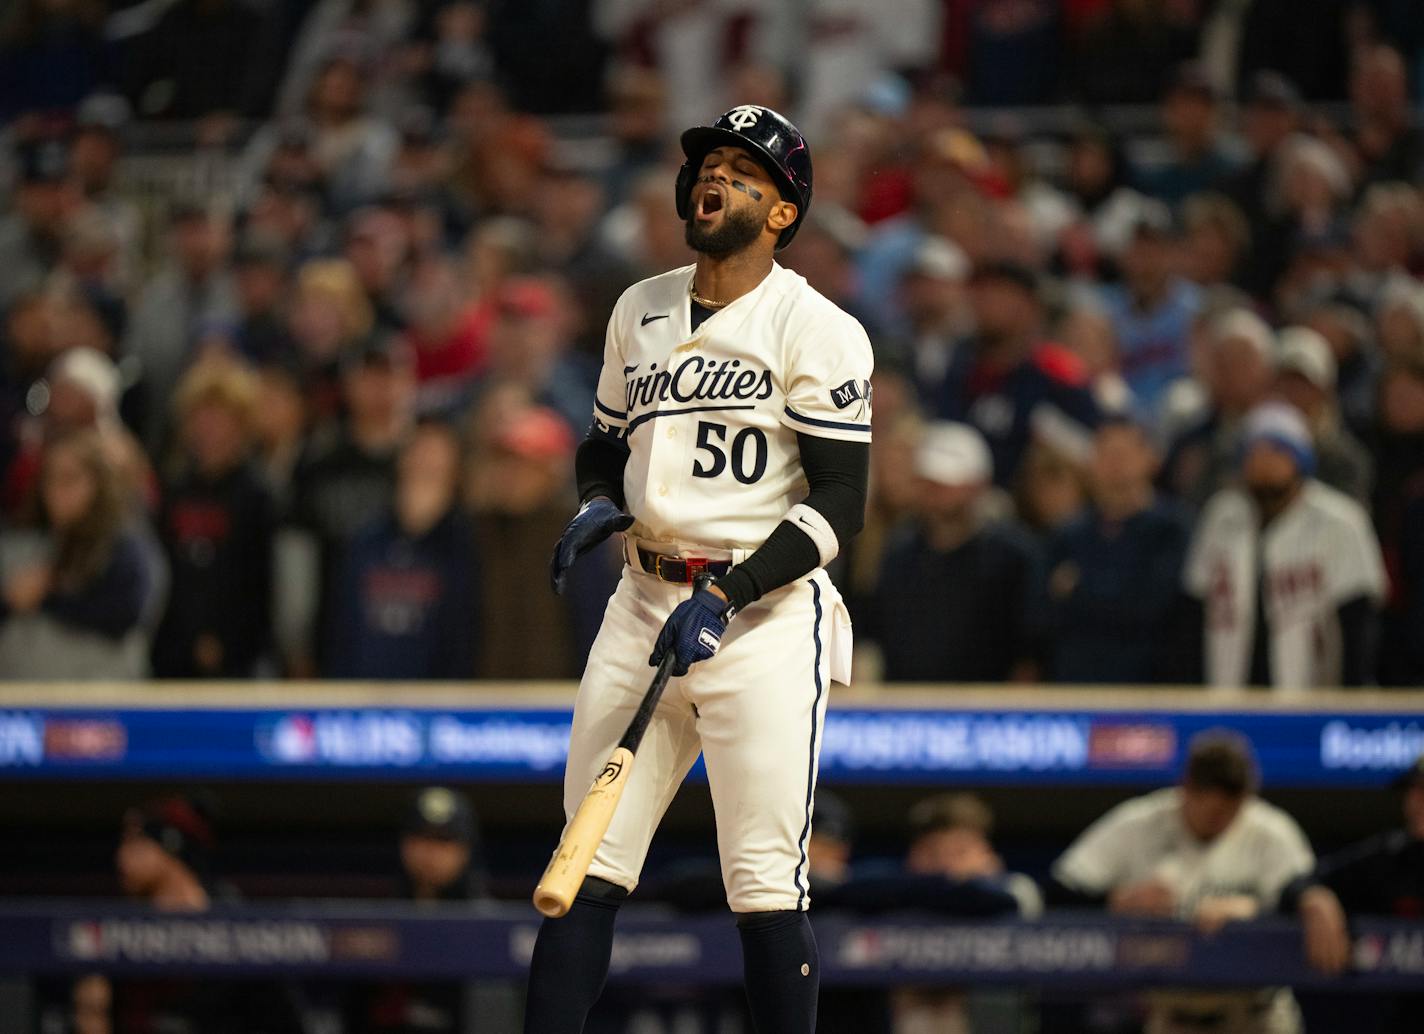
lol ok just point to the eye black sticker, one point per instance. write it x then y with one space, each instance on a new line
750 191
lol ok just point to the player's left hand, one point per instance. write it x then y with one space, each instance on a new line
693 631
595 521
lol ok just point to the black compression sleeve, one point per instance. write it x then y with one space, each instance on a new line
838 474
598 466
786 555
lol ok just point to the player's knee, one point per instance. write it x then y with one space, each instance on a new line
760 899
763 884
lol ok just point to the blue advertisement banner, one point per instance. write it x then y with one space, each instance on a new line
495 942
861 745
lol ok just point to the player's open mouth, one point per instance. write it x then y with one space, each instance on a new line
710 204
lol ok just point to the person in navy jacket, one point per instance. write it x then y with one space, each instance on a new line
407 601
957 594
1114 571
1009 382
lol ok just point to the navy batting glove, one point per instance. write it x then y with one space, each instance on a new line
595 521
693 631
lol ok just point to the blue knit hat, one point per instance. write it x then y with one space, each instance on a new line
1282 426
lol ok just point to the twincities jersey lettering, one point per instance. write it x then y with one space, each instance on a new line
711 416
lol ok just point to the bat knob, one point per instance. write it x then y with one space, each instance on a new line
550 903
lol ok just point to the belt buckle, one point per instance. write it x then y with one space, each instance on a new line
691 568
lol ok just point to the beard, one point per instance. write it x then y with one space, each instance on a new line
1270 497
739 229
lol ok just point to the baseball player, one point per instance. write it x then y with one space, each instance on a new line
1208 850
730 436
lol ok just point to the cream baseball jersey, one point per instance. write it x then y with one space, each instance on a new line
711 416
1317 555
1145 838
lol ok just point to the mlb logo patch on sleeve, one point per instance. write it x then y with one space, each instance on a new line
850 391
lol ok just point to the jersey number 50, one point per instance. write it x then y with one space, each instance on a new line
747 438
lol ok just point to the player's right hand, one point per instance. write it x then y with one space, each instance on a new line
595 521
693 631
1150 897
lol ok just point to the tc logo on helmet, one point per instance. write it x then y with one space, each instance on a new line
745 116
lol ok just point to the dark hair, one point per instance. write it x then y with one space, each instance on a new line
1222 760
83 551
1119 169
950 811
182 825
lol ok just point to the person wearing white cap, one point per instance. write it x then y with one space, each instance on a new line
954 601
85 386
935 304
1284 571
1305 378
80 390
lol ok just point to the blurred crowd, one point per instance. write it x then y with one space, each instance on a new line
1208 851
1149 404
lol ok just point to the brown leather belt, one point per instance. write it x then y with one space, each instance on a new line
680 570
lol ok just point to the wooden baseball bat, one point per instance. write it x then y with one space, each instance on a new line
565 875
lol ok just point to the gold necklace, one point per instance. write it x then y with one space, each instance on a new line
704 302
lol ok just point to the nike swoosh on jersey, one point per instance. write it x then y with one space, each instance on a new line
648 319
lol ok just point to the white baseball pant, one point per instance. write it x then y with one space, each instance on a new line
756 711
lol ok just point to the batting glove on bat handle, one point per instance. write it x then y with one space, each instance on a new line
693 631
595 521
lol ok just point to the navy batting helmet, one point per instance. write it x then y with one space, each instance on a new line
775 142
